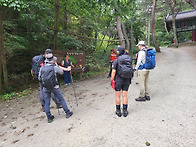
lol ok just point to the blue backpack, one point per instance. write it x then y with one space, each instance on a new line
150 59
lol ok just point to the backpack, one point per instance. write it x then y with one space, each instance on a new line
150 59
125 68
47 76
37 62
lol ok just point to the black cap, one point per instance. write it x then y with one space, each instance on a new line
48 51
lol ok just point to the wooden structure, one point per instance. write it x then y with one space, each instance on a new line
77 58
185 21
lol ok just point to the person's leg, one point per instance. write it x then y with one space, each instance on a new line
125 103
65 77
69 77
58 94
41 95
118 88
141 80
147 90
118 101
118 95
125 88
47 96
56 101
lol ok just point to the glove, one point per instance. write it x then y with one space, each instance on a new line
113 84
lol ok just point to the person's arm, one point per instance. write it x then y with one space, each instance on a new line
141 54
114 67
65 69
62 63
58 70
72 64
113 74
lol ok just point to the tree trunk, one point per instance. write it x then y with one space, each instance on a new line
126 38
3 65
131 36
153 27
174 29
148 40
192 3
65 20
96 32
119 30
56 24
172 8
1 47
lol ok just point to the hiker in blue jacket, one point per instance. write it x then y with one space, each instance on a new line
51 61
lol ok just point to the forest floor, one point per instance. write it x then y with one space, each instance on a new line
167 120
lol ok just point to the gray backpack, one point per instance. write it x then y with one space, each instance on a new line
125 68
47 77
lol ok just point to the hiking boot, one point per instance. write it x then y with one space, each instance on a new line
50 119
140 99
69 114
59 106
125 112
118 113
147 98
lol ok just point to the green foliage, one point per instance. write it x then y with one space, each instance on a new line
15 4
12 95
68 42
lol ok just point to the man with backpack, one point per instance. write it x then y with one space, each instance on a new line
145 62
122 72
48 79
37 63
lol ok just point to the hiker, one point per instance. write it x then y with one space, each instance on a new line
121 80
67 74
51 85
113 56
143 74
38 62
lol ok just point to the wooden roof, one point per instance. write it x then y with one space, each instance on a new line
191 14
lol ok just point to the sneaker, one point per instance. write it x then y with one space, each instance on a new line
69 114
50 119
118 113
147 98
59 106
141 99
66 84
125 113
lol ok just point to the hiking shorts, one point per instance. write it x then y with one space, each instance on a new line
124 86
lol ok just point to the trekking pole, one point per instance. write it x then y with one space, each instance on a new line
74 89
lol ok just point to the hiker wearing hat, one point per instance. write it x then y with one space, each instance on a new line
113 56
37 63
122 72
143 74
49 81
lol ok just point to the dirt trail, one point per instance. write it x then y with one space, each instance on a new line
167 120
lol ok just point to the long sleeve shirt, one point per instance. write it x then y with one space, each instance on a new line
141 59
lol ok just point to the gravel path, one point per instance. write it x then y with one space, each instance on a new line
168 120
